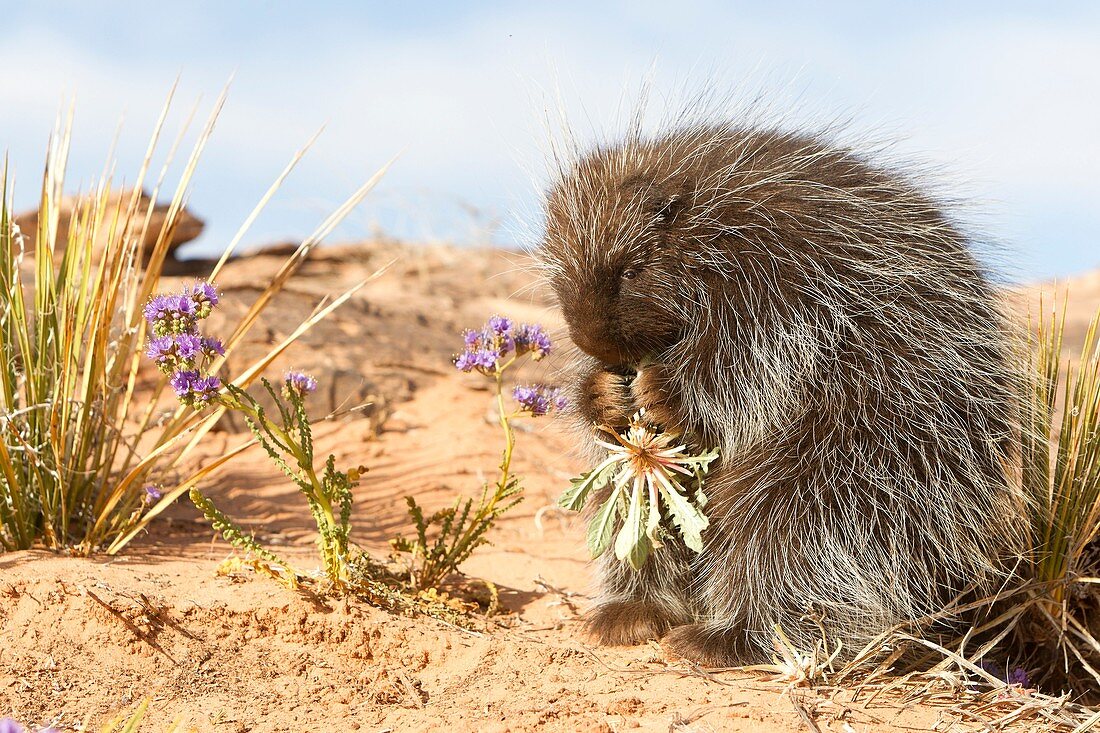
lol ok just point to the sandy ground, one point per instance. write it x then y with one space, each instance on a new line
83 639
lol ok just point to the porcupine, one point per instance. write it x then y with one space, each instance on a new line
824 322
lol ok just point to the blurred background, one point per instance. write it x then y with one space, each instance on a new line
1005 96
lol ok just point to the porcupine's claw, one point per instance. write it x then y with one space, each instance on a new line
652 391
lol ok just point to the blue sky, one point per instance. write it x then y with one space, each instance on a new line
1004 96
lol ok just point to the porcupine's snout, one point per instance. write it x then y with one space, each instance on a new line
591 327
588 340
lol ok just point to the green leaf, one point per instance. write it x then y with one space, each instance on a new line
236 536
573 498
654 520
685 515
701 463
632 545
602 526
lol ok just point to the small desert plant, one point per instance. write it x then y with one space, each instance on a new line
185 354
446 538
663 480
81 431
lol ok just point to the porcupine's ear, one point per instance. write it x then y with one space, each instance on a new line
668 203
661 201
667 208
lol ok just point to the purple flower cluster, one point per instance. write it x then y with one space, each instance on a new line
486 348
193 389
177 347
176 344
152 494
205 296
538 399
174 352
298 383
211 347
179 313
531 339
171 314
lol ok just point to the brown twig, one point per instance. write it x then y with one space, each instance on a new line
802 711
129 624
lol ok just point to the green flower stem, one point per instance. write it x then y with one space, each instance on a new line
295 450
509 439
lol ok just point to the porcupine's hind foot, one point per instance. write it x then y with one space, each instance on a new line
627 623
713 647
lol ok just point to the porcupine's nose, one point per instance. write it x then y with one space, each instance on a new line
590 339
587 315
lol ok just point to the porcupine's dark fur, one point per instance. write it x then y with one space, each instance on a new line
823 322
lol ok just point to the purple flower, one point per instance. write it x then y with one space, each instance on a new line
485 348
484 354
499 325
152 494
464 362
206 389
205 296
480 359
170 314
182 382
299 383
211 347
532 339
188 346
7 725
194 389
1013 676
539 399
162 350
174 352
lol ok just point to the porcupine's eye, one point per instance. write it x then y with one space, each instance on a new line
630 273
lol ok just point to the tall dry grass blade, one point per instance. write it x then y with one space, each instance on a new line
300 255
268 195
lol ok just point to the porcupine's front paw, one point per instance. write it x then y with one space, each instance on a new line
652 390
605 398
